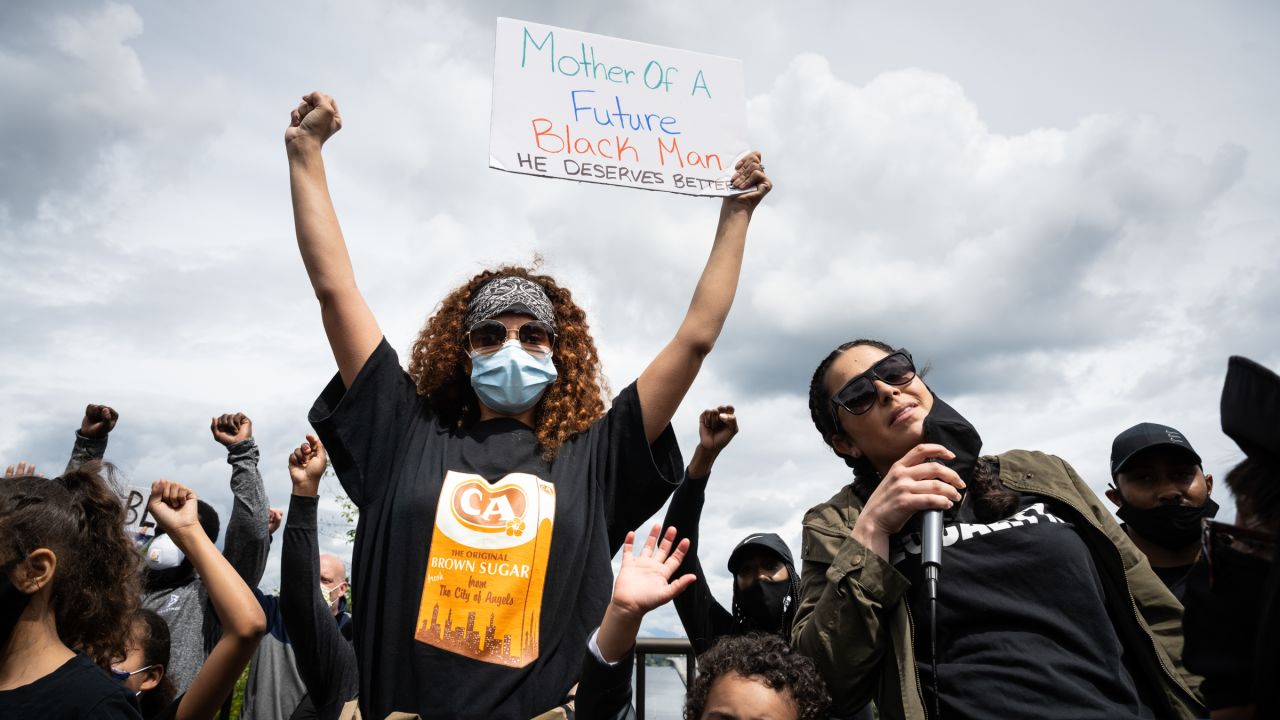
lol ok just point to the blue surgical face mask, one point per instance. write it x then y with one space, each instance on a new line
511 380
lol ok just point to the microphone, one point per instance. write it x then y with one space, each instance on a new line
931 550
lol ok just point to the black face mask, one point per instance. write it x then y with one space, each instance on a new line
1173 527
12 602
761 607
948 428
1220 624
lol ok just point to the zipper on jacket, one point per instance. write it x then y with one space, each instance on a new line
1133 604
911 625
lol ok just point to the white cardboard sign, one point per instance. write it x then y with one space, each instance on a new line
592 108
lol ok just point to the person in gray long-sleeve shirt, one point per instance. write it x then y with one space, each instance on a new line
171 587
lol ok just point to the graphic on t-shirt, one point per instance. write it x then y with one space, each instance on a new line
482 596
909 544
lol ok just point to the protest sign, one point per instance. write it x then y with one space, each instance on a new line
578 106
138 523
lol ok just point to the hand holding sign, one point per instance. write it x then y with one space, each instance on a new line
749 173
579 106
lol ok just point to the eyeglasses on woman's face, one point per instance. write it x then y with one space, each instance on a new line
858 395
488 336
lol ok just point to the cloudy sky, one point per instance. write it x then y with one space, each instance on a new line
1068 209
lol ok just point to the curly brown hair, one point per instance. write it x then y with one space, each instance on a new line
765 657
80 518
438 364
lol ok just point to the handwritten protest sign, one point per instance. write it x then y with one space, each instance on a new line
138 523
578 106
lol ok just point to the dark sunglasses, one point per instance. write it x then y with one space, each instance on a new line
1244 540
488 336
859 394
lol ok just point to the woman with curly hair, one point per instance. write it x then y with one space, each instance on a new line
493 485
1046 608
68 588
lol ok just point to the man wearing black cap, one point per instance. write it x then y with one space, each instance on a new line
1162 493
766 584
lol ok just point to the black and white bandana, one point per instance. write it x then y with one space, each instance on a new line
510 294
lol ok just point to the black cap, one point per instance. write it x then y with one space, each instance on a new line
1143 436
769 541
1251 407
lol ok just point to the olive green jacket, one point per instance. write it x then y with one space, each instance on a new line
854 621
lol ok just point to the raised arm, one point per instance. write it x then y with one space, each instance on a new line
704 620
643 584
248 539
664 383
243 623
353 331
326 661
91 438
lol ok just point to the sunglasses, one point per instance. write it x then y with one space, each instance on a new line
1244 540
859 394
488 336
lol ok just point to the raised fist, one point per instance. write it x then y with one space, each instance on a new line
274 516
173 506
231 428
716 427
98 421
306 467
315 120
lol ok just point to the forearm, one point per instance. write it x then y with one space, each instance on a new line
713 296
85 450
701 463
349 324
248 538
664 383
618 632
233 602
324 251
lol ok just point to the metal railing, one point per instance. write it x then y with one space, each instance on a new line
661 646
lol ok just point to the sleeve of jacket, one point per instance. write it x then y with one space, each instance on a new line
846 595
248 540
1159 609
704 619
85 450
604 692
326 661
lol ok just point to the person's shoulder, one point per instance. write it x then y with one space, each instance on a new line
94 688
1029 462
837 513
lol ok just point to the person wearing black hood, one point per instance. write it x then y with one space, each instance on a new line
1162 493
1045 608
1232 622
766 584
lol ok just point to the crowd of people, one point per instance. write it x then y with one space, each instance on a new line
495 483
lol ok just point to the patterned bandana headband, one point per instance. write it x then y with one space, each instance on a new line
510 294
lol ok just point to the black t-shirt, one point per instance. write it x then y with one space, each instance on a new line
1023 624
479 568
77 689
1175 578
